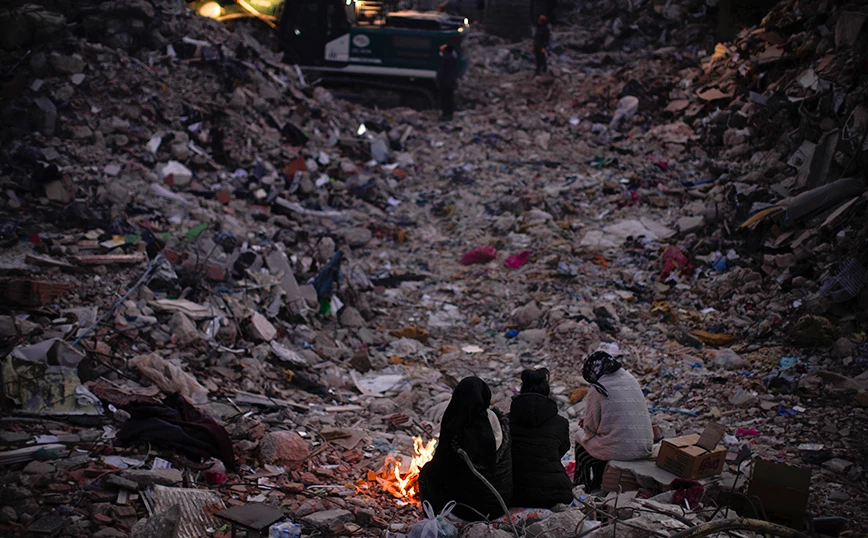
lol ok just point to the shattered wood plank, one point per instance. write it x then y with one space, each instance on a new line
839 216
109 259
46 261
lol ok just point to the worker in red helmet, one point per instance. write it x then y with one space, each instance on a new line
541 40
447 80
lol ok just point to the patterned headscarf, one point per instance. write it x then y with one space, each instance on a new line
596 366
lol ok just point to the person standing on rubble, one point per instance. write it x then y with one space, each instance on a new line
541 40
447 80
540 437
616 426
483 434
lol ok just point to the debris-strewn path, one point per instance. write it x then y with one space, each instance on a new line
180 213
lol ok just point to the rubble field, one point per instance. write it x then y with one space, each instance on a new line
227 296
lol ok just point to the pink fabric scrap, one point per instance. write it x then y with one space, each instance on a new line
514 262
483 254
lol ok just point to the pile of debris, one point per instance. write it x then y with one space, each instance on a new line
222 287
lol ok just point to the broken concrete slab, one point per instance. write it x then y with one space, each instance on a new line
146 478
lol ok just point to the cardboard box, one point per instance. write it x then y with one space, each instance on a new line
693 456
783 491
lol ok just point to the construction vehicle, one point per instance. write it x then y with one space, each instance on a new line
361 43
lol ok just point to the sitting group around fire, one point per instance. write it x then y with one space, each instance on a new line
519 454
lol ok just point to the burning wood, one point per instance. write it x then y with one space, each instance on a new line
402 481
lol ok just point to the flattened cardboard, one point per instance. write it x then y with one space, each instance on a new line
711 435
783 490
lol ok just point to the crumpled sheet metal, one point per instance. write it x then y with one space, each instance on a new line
198 507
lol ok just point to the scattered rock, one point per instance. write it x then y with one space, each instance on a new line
726 359
350 317
741 397
163 525
357 237
11 438
283 448
260 328
837 465
38 467
813 330
109 532
118 482
146 478
560 524
527 316
483 530
689 225
67 65
533 336
627 108
184 329
331 521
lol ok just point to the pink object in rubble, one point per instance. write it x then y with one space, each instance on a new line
483 254
514 262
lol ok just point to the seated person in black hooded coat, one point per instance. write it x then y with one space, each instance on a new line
483 433
540 437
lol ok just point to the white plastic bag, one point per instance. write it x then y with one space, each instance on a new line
435 526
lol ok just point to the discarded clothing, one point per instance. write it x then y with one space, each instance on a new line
687 490
178 425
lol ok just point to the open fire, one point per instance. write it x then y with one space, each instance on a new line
400 480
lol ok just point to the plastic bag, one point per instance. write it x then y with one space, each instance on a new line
435 526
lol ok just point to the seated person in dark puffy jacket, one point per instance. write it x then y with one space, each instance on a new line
483 433
540 437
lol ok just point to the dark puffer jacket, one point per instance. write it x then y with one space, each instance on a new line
539 438
447 478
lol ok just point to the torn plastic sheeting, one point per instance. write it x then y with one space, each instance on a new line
163 192
615 235
375 384
197 508
287 355
170 378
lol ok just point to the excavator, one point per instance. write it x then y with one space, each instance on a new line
355 43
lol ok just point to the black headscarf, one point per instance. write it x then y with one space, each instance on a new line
465 421
596 366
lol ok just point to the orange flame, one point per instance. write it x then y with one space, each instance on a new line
404 485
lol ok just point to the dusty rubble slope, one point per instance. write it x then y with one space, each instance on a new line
696 208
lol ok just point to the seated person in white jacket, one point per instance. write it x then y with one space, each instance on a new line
617 425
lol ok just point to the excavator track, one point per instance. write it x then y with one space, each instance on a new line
426 97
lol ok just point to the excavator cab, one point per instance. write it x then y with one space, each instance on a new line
363 43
